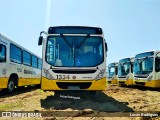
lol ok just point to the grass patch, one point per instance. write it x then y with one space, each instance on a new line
39 91
8 106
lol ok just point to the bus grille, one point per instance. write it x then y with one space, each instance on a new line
121 82
65 85
140 83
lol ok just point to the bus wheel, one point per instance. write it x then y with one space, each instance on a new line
11 86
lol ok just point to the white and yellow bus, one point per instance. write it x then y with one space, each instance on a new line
112 73
147 69
74 58
18 66
125 71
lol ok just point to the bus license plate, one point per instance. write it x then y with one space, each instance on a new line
73 88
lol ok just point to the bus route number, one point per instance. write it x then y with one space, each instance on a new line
63 77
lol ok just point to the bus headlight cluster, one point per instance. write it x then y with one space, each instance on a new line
48 75
149 78
100 75
127 77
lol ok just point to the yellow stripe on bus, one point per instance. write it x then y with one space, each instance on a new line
3 82
28 81
22 82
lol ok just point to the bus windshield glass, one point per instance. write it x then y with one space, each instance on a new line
74 51
143 65
111 71
123 68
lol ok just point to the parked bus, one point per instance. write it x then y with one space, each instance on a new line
74 58
125 71
19 66
112 73
147 69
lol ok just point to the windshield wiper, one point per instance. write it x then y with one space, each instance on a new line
66 40
83 41
144 58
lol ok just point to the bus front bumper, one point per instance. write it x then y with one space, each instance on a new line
126 82
129 82
47 84
114 81
152 83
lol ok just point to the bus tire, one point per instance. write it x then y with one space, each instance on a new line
10 86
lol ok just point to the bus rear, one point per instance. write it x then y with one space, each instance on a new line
74 58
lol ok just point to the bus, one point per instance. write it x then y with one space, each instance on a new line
74 58
125 71
147 69
112 73
19 66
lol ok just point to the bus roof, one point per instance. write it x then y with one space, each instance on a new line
113 64
149 51
126 59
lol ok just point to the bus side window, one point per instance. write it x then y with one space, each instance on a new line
40 64
2 53
26 58
34 61
15 54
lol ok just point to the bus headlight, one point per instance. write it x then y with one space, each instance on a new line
100 75
149 78
127 77
48 75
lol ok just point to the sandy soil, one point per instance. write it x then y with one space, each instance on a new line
115 103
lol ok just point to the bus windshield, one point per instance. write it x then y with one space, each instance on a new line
123 69
111 71
74 51
143 65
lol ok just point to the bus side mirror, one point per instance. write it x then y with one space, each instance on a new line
106 47
0 48
131 67
157 65
40 40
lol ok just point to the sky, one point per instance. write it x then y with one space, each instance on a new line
129 26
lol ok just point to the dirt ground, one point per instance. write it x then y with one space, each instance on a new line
114 103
